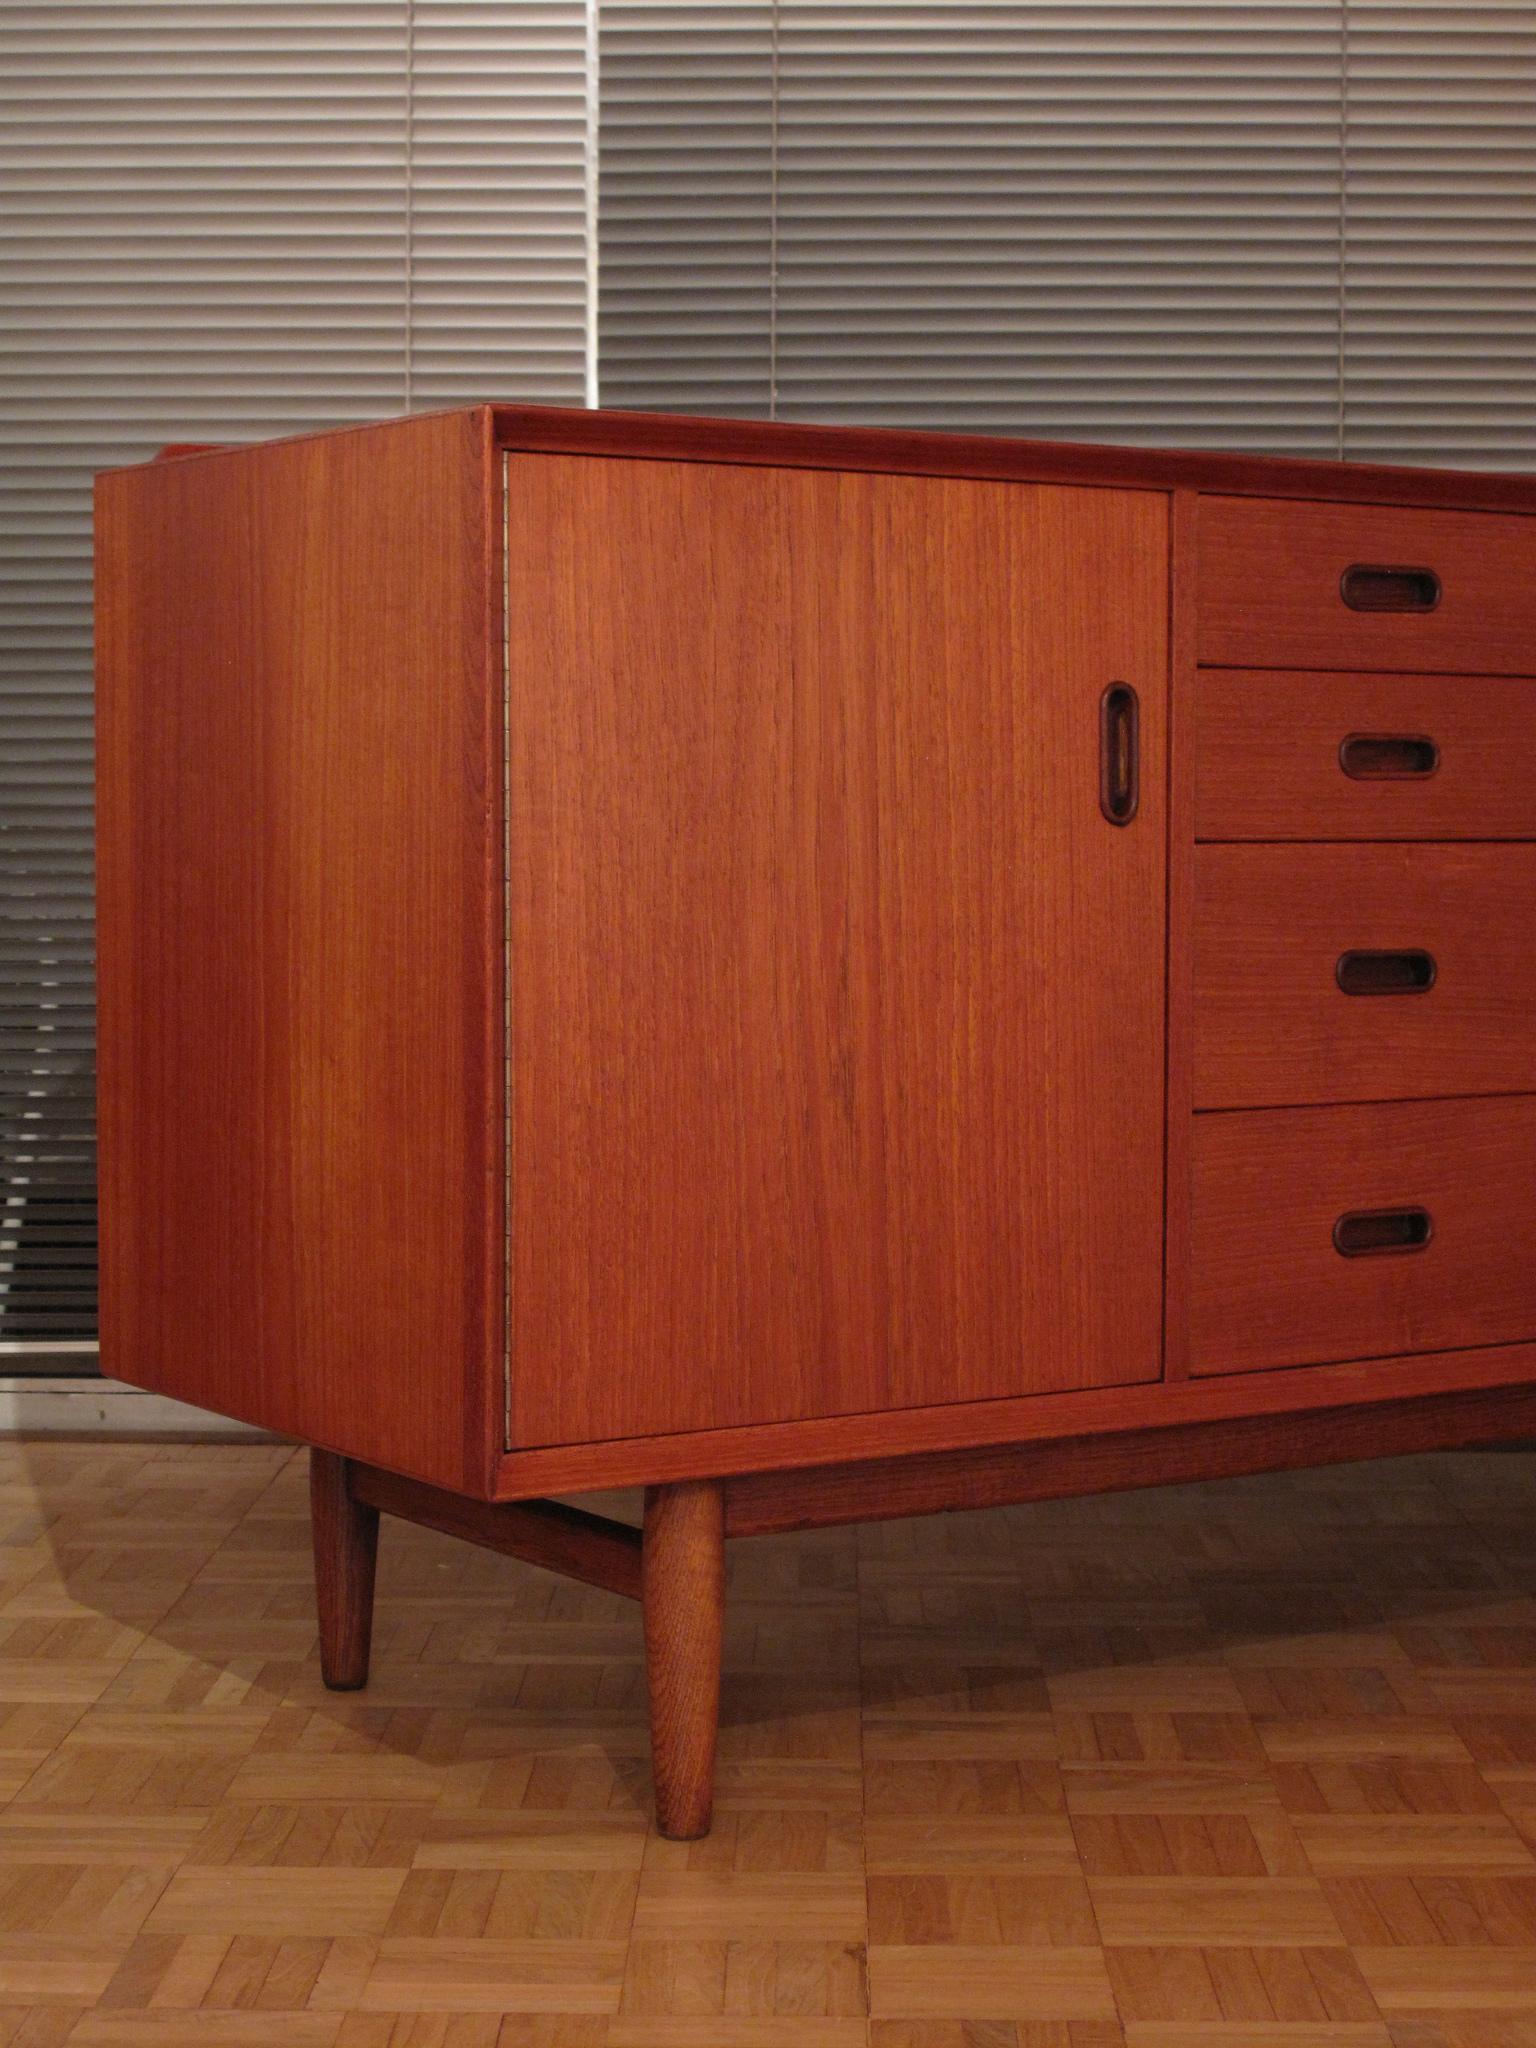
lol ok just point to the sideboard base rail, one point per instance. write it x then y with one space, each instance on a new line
675 1564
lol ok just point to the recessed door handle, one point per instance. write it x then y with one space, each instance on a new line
1406 973
1388 756
1119 753
1363 1233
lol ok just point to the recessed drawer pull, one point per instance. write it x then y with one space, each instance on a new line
1387 756
1360 1233
1373 587
1385 974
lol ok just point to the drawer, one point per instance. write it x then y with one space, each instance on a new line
1440 1236
1311 965
1274 573
1294 754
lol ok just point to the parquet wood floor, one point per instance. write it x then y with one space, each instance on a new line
1250 1765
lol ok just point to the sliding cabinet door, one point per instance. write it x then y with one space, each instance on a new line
837 998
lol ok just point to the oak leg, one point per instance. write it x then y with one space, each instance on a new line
346 1539
682 1571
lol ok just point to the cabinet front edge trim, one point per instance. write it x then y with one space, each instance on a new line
1149 1406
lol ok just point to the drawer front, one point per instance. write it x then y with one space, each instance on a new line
1434 1202
1301 755
1273 575
1311 964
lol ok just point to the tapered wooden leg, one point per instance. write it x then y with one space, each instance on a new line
346 1538
683 1597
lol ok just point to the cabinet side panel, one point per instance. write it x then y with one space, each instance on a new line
296 843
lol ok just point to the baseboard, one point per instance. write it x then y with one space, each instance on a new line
37 1406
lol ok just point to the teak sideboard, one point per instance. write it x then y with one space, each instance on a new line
826 973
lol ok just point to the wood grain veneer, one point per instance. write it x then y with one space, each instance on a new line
1272 1024
1268 745
1269 592
808 868
1269 1287
298 727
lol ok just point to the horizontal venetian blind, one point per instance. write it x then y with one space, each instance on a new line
223 222
1117 222
1440 237
685 224
1297 227
1111 222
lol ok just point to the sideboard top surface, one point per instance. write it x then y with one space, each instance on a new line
795 444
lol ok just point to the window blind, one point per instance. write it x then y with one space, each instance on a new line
685 223
1300 228
224 222
1439 316
1112 222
